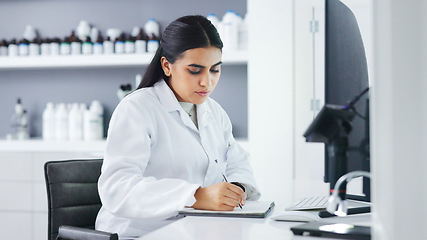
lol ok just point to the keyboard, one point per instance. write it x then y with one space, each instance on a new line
309 203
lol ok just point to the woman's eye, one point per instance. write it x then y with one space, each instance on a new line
194 71
215 70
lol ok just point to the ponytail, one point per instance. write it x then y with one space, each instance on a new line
154 71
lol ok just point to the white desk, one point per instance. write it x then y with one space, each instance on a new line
221 228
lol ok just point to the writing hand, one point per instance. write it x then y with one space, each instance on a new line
221 196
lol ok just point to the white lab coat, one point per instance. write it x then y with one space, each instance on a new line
156 159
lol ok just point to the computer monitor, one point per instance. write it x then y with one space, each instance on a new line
346 76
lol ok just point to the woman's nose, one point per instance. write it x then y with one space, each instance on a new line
205 80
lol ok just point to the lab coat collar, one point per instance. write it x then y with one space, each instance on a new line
168 99
204 115
166 96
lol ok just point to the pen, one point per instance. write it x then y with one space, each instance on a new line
226 180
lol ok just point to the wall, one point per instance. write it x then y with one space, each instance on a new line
270 89
58 18
399 120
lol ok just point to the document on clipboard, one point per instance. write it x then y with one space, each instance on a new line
251 209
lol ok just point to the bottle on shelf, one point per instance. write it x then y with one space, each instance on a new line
54 46
45 47
152 29
23 47
87 46
119 44
12 49
140 40
230 30
23 133
31 36
98 46
135 31
61 122
93 126
65 47
30 33
75 123
19 122
34 48
108 46
141 43
130 44
76 44
152 45
49 121
3 47
76 47
94 34
83 30
113 33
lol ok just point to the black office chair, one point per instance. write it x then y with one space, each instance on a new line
72 191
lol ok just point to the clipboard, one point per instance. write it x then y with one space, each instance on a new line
252 209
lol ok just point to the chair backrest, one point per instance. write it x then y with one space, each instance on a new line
72 192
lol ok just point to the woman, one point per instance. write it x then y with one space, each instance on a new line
169 143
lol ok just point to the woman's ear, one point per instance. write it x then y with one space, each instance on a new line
166 66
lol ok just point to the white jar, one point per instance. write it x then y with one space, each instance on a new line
45 47
87 48
152 28
94 122
75 123
61 122
49 121
152 46
129 46
108 46
23 48
34 49
98 48
3 48
76 48
12 49
229 31
54 47
119 47
140 46
65 47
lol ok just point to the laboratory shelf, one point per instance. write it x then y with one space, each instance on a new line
96 61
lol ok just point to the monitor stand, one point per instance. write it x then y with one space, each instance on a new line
350 211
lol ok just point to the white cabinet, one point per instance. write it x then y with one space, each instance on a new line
23 205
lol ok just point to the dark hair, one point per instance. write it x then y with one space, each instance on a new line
184 33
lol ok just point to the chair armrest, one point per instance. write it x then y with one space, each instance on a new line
77 233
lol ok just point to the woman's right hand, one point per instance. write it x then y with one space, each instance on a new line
221 196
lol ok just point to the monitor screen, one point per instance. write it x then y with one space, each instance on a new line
346 76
